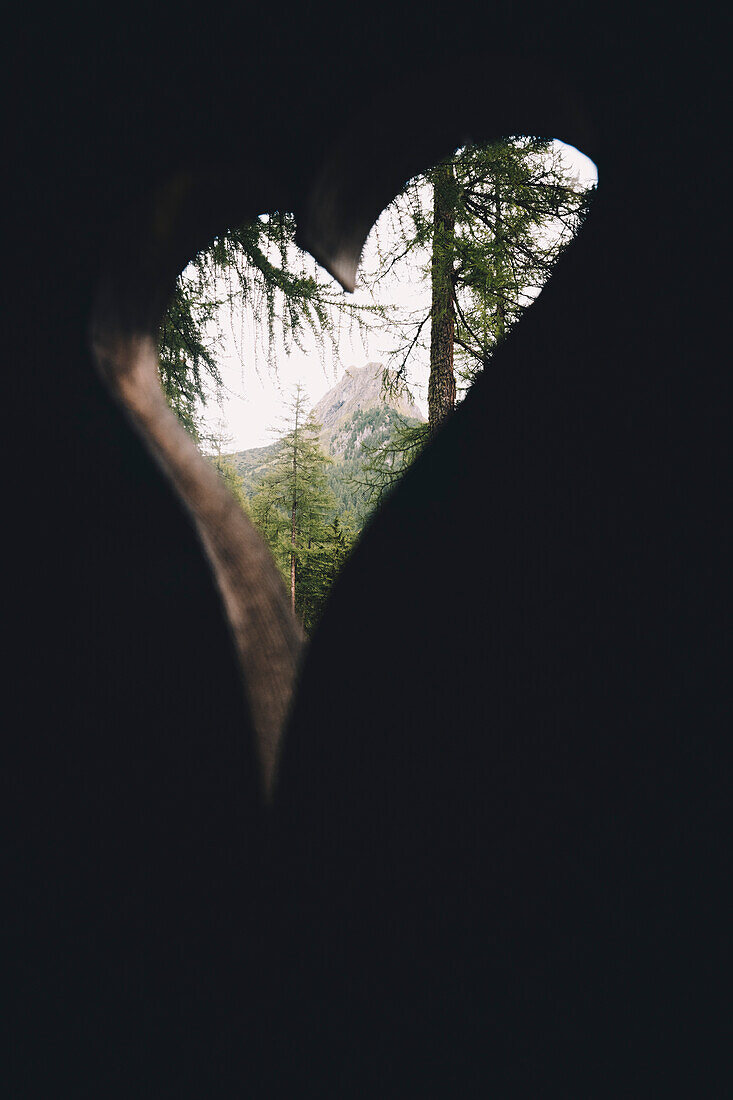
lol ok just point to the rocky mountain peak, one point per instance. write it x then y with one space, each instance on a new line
353 415
358 390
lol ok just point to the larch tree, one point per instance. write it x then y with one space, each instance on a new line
484 229
255 267
494 220
442 382
293 502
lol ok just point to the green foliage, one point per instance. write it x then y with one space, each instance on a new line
365 470
333 496
515 209
318 566
233 481
251 466
293 507
187 361
386 460
511 195
257 267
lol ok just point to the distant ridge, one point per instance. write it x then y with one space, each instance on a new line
352 414
358 390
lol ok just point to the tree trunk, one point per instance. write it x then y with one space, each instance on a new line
500 311
294 508
442 384
292 558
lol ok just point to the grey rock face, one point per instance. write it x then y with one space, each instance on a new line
358 390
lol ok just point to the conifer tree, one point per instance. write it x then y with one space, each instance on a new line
327 551
495 220
386 461
293 502
256 267
187 363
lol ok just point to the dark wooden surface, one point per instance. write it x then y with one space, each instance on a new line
499 861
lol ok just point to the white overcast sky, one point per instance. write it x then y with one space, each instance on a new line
254 397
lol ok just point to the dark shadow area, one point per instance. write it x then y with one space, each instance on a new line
497 859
